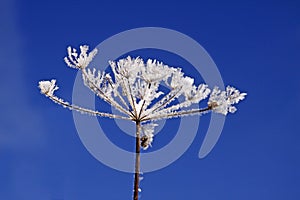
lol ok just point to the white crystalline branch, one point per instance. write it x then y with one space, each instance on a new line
48 87
134 88
82 60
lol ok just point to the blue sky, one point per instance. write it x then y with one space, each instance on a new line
256 46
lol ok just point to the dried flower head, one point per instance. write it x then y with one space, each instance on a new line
134 90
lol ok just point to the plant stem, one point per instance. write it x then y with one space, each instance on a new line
137 161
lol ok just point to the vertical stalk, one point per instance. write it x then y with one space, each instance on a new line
137 161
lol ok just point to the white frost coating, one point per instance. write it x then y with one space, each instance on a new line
135 85
134 89
223 101
83 60
48 87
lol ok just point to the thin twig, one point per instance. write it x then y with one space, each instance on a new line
85 110
144 101
132 99
161 104
178 114
120 97
107 99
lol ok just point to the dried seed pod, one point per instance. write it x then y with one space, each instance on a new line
145 142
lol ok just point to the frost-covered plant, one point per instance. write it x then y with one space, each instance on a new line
134 89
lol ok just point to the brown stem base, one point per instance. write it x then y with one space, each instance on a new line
137 162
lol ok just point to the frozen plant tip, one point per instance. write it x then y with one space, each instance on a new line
48 87
134 89
81 61
223 101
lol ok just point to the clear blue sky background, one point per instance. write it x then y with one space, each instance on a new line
256 46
